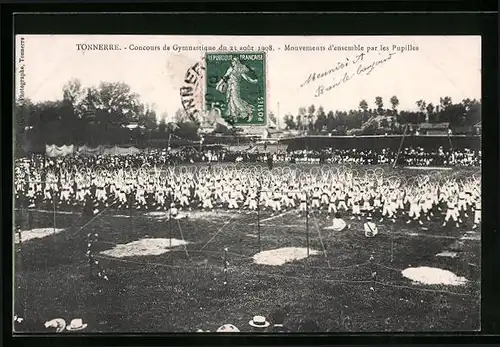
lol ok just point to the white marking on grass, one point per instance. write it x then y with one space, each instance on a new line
282 225
447 254
473 237
45 211
422 235
38 233
210 214
156 214
321 240
428 168
66 212
331 227
274 217
144 247
159 215
281 256
431 275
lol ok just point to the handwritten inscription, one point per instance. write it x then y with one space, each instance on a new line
339 66
344 79
367 69
357 66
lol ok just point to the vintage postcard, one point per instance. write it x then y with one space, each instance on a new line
247 184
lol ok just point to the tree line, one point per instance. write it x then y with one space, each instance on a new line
464 114
111 113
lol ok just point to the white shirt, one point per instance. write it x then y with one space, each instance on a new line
370 229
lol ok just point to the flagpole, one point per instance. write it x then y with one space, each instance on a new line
278 118
258 214
307 223
130 211
170 219
225 268
400 146
19 266
54 214
452 150
392 246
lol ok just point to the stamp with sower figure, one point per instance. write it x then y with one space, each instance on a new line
236 87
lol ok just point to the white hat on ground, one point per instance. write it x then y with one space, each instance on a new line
76 324
58 323
259 322
228 328
338 224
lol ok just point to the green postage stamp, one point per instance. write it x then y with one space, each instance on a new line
236 87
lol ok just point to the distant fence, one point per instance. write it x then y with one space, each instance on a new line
428 142
377 142
62 151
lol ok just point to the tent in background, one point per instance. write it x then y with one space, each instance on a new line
59 151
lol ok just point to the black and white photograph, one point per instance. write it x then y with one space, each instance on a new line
253 184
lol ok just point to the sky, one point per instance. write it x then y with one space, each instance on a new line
442 66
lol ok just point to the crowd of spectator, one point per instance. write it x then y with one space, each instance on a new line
407 157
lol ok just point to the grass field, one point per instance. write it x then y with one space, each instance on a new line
182 290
